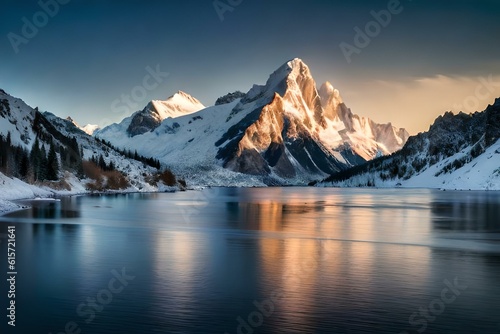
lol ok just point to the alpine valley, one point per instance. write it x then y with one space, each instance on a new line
286 132
42 155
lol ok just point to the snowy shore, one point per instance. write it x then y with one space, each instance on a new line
12 189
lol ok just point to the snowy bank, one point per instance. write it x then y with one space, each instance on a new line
12 189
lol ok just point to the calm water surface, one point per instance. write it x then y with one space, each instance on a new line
276 260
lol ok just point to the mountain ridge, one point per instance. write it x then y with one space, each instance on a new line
279 132
459 151
154 113
44 155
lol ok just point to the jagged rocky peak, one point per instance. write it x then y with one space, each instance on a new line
289 128
300 83
294 123
330 100
294 83
229 97
328 92
497 102
292 74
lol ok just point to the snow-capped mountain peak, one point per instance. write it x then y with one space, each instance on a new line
459 151
148 119
283 130
88 129
330 100
179 104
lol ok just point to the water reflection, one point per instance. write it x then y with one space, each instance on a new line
346 261
67 207
470 211
45 229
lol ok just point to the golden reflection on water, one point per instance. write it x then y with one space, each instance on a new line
176 266
335 243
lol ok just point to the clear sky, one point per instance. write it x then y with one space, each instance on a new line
433 55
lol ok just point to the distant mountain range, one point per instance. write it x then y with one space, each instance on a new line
458 152
88 129
284 132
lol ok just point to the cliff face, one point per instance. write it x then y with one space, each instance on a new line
458 152
156 111
301 129
284 132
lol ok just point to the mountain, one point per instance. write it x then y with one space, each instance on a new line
154 113
88 129
284 132
42 154
229 97
458 152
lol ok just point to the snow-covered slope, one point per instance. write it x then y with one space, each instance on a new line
153 114
285 131
186 144
480 173
179 104
458 152
21 127
90 146
16 118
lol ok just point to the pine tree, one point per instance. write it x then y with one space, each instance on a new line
102 163
53 164
8 140
3 153
35 160
24 164
42 169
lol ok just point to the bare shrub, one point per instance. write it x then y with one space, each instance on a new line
116 180
168 178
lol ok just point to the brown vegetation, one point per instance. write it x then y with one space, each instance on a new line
166 177
103 180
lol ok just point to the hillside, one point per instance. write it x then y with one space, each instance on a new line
44 155
458 152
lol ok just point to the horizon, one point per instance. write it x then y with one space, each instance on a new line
318 85
387 62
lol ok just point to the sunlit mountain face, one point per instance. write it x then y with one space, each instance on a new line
287 131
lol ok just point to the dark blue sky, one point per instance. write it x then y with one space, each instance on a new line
93 51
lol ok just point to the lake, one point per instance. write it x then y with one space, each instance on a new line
258 260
